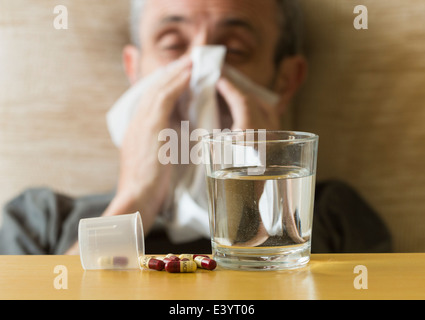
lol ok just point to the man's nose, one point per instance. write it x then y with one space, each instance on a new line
202 37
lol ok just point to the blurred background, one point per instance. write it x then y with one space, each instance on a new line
365 97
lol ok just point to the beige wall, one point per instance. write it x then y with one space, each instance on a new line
366 99
55 88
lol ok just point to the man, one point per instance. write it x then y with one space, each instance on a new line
263 42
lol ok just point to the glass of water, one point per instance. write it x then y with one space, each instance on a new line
261 194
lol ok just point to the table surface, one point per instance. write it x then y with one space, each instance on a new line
327 276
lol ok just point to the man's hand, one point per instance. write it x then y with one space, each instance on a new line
247 111
144 181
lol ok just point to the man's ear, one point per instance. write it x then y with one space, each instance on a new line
292 72
131 58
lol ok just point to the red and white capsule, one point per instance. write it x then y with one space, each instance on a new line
205 262
151 263
112 262
186 256
170 257
181 266
199 255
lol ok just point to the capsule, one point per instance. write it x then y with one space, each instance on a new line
109 261
199 255
181 266
187 256
170 257
151 263
205 263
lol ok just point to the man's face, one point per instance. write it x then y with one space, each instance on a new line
248 28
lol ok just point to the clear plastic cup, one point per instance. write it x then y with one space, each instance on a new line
113 242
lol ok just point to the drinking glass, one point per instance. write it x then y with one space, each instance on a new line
261 194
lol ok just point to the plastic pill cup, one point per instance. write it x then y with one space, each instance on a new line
112 242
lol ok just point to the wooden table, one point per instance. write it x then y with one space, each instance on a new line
333 276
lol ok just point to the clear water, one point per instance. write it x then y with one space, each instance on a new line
261 222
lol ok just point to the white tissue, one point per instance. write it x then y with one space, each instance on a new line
186 209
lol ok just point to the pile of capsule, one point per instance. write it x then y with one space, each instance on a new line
183 263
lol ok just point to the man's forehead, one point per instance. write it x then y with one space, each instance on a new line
223 11
223 21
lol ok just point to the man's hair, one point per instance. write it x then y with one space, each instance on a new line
289 19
